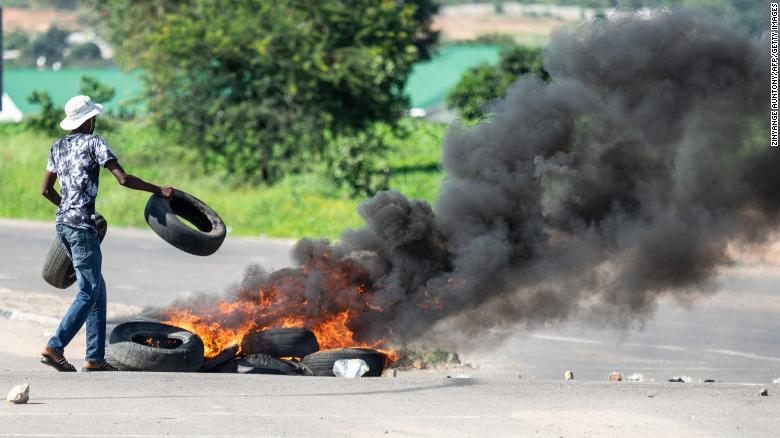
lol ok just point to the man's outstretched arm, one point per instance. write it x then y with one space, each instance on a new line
135 183
47 188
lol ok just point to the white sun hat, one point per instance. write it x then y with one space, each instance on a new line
78 110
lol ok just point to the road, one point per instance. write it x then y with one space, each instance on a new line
139 267
731 337
207 405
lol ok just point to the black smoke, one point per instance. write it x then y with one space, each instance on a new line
623 179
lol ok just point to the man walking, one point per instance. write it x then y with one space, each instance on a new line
76 160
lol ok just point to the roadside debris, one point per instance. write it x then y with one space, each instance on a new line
681 379
350 368
709 380
764 392
615 377
19 394
636 377
568 375
777 380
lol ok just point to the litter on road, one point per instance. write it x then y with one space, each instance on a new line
19 394
615 377
568 375
350 368
681 379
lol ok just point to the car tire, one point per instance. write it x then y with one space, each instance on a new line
281 342
57 267
163 217
108 356
265 364
183 350
227 354
321 363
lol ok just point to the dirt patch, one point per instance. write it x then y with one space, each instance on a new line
39 20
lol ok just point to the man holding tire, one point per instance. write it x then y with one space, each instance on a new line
76 160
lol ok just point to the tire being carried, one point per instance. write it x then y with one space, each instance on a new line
321 363
57 267
153 346
163 217
281 342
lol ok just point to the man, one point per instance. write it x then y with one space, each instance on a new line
76 160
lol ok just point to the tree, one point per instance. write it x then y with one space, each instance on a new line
485 83
50 45
259 87
87 53
47 119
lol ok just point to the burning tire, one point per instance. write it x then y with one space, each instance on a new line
321 363
265 364
281 342
152 346
163 217
57 267
109 357
224 356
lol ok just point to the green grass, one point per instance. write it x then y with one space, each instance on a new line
298 206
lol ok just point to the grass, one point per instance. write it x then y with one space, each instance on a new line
298 206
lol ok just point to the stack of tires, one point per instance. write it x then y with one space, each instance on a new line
148 345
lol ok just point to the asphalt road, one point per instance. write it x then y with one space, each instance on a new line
139 267
207 405
731 337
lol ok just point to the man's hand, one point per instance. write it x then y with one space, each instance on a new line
166 192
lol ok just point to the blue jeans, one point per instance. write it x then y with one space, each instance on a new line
90 303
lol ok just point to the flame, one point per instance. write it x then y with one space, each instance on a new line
341 305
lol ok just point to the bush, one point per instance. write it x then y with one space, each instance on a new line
483 84
260 87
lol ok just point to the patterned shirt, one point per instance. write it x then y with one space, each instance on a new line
77 159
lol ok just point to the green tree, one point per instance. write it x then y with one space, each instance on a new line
84 54
486 83
16 40
50 45
47 119
259 87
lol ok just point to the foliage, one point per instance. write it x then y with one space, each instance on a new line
96 90
45 121
81 54
309 204
483 84
352 161
260 87
49 45
15 40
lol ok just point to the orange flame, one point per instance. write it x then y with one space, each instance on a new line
284 304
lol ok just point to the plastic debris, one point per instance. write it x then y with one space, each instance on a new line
568 375
350 368
615 377
19 394
777 380
681 379
636 377
764 392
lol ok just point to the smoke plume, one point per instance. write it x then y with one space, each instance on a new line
622 180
